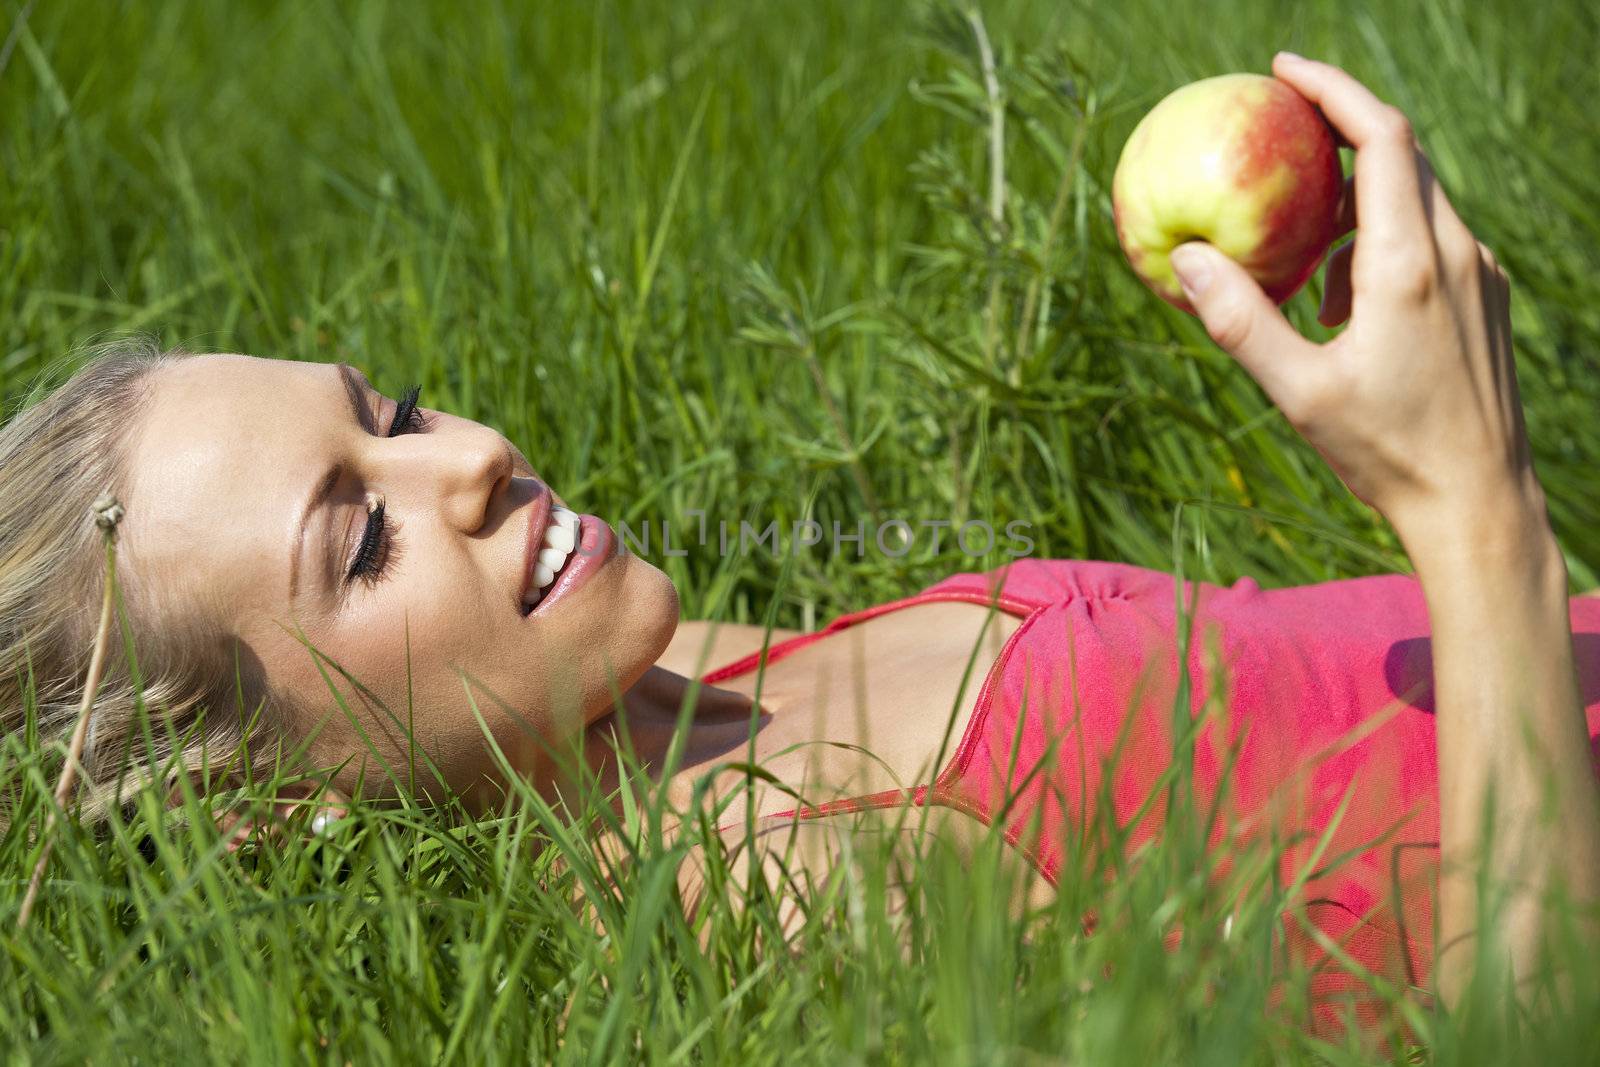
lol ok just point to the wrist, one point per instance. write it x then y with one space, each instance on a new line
1508 531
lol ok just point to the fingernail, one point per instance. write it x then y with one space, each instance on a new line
1192 269
321 822
1291 57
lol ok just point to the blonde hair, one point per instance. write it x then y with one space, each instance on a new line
150 718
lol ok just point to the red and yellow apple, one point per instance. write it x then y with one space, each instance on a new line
1242 161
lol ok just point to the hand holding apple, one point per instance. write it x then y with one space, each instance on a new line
1414 404
1241 161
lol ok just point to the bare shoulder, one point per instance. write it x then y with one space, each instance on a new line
698 646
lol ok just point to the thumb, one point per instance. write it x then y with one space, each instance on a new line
1237 314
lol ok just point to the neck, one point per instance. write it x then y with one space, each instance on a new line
648 721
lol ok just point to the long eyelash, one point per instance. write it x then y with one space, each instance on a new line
377 549
378 545
407 419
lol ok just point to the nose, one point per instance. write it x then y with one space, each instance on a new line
464 466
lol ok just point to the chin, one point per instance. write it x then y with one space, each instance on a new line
640 619
655 599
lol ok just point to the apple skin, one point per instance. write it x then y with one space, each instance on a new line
1242 161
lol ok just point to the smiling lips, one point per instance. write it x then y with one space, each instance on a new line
557 543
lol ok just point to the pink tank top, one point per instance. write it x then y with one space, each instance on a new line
1329 696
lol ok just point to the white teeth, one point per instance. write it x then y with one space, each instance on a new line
559 540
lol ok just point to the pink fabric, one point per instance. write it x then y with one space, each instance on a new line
1328 692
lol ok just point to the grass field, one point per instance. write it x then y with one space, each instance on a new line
738 258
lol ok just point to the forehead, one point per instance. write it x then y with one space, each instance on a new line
225 450
208 415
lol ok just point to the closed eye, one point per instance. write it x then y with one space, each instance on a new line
379 545
407 418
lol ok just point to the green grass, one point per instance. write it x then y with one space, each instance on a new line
735 257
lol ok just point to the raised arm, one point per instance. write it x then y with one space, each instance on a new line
1415 406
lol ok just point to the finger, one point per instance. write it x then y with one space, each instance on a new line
235 830
1495 286
310 803
1239 316
1457 247
1496 272
1345 218
1339 139
327 806
1386 167
1336 291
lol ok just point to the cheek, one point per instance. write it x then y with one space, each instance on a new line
437 651
546 679
406 660
420 638
623 625
652 601
469 649
418 626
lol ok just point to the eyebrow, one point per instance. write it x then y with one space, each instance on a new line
355 390
330 479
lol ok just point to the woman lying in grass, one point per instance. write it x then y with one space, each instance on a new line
276 508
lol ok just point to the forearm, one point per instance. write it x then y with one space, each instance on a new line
1415 406
1510 724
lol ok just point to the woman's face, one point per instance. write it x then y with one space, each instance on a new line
290 507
